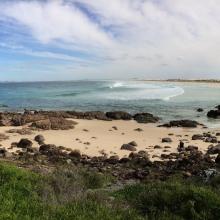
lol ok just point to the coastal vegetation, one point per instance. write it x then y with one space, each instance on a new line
75 193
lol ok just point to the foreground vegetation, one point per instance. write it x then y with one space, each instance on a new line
79 194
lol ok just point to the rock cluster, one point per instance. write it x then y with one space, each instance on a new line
137 166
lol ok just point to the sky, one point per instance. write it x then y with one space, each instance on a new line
115 39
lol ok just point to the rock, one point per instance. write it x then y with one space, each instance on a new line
181 147
2 152
124 160
157 147
211 140
217 160
115 128
197 137
214 149
24 143
42 124
112 159
39 139
128 147
138 129
191 148
213 114
133 143
199 109
47 147
54 124
52 151
145 118
75 154
166 140
181 123
119 115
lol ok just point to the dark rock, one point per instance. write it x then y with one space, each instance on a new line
124 160
214 149
181 147
2 152
157 147
199 109
191 148
138 129
181 123
128 147
145 118
197 137
213 114
133 143
119 115
24 143
166 140
75 154
39 139
217 159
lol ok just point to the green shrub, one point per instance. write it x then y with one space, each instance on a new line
178 199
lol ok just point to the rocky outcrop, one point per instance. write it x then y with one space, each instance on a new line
181 123
54 124
145 118
119 115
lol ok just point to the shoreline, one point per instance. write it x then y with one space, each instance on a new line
94 134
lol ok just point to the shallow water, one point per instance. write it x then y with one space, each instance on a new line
166 100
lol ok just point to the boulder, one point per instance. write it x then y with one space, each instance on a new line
213 114
145 118
119 115
24 143
39 139
128 147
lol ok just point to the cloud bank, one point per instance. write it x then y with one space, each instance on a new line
114 39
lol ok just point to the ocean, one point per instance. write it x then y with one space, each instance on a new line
167 100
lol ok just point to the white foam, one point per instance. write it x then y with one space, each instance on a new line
142 91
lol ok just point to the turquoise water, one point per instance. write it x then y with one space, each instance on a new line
166 100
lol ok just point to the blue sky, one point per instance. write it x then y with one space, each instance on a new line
98 39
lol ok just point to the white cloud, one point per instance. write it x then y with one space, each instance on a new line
152 38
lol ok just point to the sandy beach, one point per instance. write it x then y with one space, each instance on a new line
96 137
